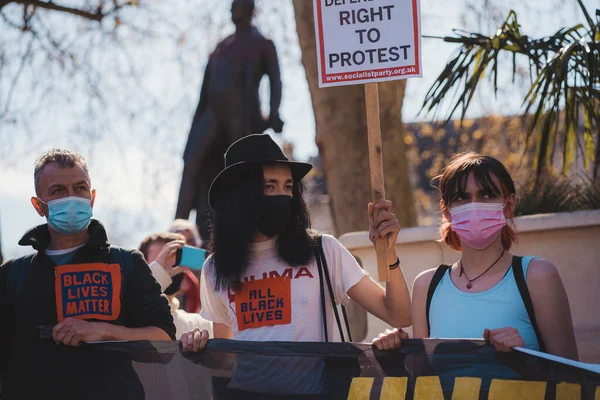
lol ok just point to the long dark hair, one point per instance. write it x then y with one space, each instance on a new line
236 213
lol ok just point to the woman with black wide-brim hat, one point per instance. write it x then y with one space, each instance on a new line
263 281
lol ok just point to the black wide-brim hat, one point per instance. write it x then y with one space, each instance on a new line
258 149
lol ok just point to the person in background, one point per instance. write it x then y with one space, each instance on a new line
74 288
189 230
189 297
160 251
479 296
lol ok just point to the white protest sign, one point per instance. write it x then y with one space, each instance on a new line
363 41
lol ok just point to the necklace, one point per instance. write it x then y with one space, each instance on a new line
470 284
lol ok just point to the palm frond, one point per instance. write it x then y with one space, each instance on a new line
589 197
548 195
557 193
565 81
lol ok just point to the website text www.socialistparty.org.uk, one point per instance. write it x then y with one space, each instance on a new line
372 74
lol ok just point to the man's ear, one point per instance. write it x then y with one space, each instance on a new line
445 211
93 198
39 207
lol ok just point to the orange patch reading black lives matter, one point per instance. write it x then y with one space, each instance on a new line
88 291
264 302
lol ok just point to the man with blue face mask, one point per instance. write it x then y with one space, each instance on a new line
76 288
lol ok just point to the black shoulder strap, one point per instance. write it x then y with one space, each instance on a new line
517 267
125 260
322 290
122 257
324 270
16 276
332 296
435 281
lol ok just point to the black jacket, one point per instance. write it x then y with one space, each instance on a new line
56 367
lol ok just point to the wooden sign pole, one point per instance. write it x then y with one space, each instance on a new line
376 167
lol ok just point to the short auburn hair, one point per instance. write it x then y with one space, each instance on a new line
453 179
164 238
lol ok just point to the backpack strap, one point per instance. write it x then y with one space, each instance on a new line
16 276
125 260
435 281
517 267
324 270
122 257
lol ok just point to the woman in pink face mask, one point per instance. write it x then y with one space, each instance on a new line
508 300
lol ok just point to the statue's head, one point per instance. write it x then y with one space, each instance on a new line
241 11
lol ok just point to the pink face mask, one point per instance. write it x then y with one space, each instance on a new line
478 224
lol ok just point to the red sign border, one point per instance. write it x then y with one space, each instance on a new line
325 75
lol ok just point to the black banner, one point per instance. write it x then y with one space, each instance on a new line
421 369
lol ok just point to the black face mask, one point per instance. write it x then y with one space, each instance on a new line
275 215
175 285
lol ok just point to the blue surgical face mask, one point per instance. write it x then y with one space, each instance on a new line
69 215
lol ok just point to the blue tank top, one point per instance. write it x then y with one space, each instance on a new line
457 314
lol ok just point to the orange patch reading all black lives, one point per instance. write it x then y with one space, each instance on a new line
265 302
88 291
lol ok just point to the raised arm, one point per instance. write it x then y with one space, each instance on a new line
391 305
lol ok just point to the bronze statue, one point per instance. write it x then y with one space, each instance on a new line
229 109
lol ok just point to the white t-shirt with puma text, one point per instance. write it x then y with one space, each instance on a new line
278 302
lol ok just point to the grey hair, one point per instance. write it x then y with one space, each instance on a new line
64 158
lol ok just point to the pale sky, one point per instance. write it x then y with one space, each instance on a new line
136 162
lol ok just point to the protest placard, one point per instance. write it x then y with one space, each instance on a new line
369 41
362 41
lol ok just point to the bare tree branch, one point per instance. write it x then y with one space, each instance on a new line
97 15
9 22
15 80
